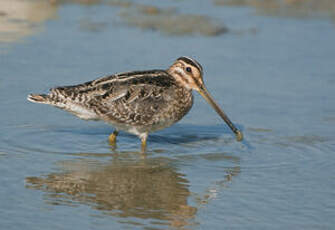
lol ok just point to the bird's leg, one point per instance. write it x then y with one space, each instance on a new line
112 137
144 137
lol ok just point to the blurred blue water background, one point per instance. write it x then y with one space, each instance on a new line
270 64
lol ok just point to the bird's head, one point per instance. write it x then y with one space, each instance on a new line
188 73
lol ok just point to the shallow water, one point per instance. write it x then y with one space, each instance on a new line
273 73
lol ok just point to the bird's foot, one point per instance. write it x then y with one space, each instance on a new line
144 142
144 146
112 138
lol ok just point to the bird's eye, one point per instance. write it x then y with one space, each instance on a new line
188 69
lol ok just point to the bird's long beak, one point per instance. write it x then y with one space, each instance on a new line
204 92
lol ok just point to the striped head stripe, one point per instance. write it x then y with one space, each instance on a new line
192 62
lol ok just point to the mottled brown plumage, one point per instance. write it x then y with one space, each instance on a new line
137 102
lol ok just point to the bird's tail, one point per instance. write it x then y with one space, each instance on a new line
56 98
39 98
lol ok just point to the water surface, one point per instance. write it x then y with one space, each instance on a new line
271 71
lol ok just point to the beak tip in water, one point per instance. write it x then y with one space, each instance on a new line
239 135
203 92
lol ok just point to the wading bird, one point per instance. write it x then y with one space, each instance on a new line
138 102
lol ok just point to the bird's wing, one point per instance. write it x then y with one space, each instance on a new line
88 89
103 85
131 97
135 101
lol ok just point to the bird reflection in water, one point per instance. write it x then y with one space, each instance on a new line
146 189
149 189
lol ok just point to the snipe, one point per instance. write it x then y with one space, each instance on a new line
138 102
